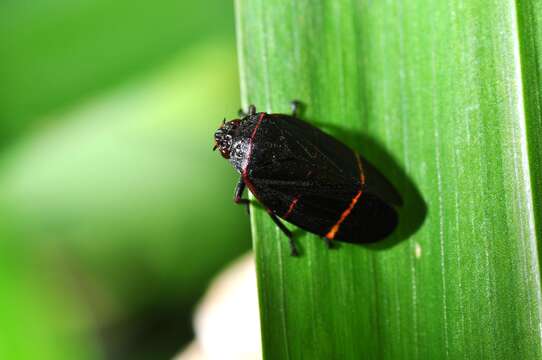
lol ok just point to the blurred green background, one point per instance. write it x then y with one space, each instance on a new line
114 211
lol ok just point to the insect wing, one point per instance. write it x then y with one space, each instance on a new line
314 181
301 174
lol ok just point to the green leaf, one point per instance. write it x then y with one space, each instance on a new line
444 98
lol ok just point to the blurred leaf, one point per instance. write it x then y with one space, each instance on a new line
119 207
55 52
446 97
34 321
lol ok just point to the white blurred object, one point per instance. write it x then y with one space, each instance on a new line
227 322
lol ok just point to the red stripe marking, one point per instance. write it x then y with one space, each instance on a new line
335 228
249 184
252 136
291 208
294 201
260 118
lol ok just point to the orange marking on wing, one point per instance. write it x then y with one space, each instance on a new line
291 208
360 167
335 228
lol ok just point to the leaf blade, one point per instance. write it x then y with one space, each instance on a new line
442 90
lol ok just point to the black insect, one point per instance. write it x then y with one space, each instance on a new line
308 178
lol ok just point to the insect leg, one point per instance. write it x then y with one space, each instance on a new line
328 242
251 109
238 197
288 233
294 105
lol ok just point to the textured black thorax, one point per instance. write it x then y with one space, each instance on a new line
265 147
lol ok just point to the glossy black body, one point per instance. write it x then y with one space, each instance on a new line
309 178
